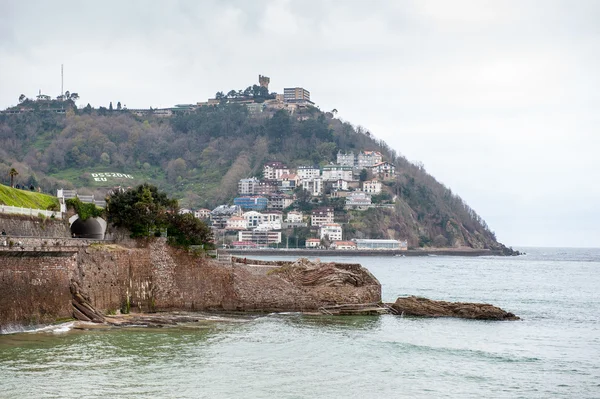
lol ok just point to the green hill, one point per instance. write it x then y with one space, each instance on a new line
199 157
26 199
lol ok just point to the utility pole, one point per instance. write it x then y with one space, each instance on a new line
287 242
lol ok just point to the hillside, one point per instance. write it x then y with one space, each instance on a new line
26 199
199 157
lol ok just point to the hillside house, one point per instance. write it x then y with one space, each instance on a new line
274 170
288 182
367 159
337 172
294 217
308 172
384 170
347 158
202 213
279 201
256 203
248 186
236 223
314 186
221 214
331 231
266 187
358 200
372 186
321 216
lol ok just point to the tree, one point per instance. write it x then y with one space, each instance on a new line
13 172
142 210
186 230
119 106
67 95
110 107
87 109
363 175
22 98
74 97
220 95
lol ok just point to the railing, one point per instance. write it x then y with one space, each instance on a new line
16 210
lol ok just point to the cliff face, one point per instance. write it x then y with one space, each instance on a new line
35 284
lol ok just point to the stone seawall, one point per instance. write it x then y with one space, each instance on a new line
34 286
156 277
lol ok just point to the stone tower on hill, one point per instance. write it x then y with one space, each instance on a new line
264 81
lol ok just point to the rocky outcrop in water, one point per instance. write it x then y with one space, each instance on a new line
416 306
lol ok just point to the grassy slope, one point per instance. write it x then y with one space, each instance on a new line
25 199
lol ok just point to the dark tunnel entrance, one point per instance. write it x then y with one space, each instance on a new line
93 228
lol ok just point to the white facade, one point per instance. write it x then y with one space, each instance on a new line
347 158
331 230
202 213
236 223
308 172
260 237
294 217
384 170
314 186
248 186
343 245
366 159
372 186
358 199
337 172
274 170
253 219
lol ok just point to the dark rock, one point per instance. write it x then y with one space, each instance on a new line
416 306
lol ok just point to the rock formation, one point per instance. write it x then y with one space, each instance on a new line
416 306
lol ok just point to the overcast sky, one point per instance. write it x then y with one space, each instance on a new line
500 100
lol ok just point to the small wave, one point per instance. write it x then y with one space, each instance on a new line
19 329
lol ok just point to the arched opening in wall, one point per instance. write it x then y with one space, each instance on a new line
93 228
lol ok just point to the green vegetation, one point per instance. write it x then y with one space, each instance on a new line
27 199
145 211
199 156
84 210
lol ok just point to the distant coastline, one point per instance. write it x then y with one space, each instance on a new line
325 252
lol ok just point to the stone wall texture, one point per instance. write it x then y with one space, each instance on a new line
30 226
34 284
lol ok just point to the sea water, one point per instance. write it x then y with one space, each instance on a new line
553 352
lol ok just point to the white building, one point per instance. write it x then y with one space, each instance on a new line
314 186
347 158
321 216
260 237
337 172
183 211
236 223
343 245
372 186
384 170
308 172
202 213
274 170
248 186
358 200
332 231
294 217
381 244
366 159
312 243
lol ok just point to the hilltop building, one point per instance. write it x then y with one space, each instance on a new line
296 95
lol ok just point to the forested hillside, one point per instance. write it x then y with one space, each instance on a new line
199 157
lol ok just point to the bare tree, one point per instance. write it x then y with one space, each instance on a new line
13 172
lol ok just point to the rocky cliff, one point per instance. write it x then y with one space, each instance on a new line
36 281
